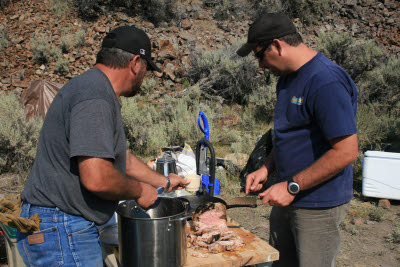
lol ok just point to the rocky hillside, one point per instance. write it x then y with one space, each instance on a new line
22 22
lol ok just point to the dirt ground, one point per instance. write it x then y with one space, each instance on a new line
367 232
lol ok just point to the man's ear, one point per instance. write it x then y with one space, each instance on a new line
135 64
278 45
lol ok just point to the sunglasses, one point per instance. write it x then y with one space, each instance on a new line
260 54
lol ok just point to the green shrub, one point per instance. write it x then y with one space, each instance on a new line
334 46
394 237
59 7
18 137
41 48
61 65
67 43
88 9
3 3
373 129
356 57
257 7
223 10
363 56
244 145
382 85
80 38
148 86
55 53
377 214
149 127
223 74
306 10
3 38
156 11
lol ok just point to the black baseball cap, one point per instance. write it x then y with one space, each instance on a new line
266 27
132 40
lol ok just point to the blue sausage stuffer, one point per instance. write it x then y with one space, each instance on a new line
206 161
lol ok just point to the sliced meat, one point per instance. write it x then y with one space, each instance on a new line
211 230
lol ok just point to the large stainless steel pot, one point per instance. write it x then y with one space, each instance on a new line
154 237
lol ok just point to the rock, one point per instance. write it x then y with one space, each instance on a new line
169 71
187 36
167 55
6 81
122 16
17 40
17 83
186 24
223 27
384 203
148 24
357 221
100 29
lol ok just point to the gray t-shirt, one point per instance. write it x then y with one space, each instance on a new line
84 119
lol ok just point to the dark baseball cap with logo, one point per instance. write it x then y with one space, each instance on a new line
131 40
266 27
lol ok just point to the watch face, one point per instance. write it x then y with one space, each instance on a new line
294 188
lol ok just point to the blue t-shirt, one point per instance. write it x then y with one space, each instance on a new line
316 103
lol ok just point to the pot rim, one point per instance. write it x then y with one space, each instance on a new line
184 213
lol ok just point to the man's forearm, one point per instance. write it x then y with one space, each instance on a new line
101 178
138 170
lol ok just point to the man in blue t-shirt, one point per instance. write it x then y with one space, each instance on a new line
315 143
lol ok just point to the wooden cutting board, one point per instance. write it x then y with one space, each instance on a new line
255 251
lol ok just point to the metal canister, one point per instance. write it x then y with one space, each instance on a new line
165 166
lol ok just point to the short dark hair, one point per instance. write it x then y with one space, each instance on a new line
114 58
293 39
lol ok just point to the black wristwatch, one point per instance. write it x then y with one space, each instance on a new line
293 187
161 190
168 183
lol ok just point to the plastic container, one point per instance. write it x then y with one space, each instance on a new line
381 175
13 256
195 181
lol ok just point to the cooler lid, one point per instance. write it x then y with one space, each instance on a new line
382 154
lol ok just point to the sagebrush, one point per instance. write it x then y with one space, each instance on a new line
223 74
18 137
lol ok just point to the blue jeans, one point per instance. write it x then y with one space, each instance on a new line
63 240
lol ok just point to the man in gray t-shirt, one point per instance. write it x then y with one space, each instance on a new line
82 167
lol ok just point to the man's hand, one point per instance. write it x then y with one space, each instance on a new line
148 196
277 195
256 179
177 182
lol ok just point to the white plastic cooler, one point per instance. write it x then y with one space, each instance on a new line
381 175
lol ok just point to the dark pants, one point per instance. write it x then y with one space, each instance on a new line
306 237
